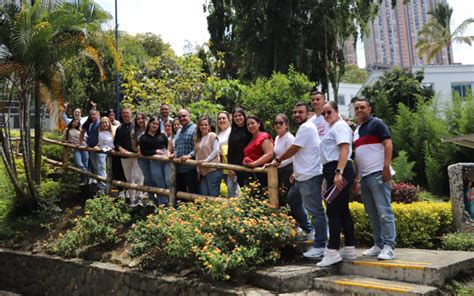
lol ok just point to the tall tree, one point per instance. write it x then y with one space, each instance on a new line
437 34
35 39
261 37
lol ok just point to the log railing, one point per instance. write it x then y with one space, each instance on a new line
172 193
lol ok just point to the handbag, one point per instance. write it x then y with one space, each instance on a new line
332 192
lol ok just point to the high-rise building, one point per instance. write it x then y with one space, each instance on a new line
394 33
350 51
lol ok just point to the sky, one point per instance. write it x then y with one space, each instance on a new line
182 21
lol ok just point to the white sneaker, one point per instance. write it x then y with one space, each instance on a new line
388 253
348 253
372 252
314 252
331 257
133 202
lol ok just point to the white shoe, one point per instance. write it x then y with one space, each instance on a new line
331 257
388 253
348 253
133 202
372 252
314 252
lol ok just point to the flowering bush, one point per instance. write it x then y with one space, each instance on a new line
218 237
103 217
401 192
404 193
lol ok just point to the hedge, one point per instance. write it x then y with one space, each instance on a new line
419 224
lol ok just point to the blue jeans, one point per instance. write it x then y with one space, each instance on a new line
308 193
376 196
81 160
160 174
97 166
210 184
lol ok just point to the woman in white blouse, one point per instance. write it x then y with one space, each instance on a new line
283 141
106 143
223 131
338 170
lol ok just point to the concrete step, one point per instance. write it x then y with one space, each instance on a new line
288 278
358 285
426 267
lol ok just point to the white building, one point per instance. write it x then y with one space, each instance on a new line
444 79
344 96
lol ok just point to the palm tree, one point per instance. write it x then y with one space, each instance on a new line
35 40
437 34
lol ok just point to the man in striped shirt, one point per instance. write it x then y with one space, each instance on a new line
373 156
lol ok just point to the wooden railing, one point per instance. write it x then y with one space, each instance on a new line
172 193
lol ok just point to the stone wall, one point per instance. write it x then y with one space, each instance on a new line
36 274
457 173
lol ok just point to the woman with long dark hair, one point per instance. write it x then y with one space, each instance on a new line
154 142
259 151
72 135
238 139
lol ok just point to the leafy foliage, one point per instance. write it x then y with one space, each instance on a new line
404 193
398 86
460 241
403 168
218 237
354 74
418 224
437 35
103 218
278 94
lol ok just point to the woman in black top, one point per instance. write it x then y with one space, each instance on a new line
156 172
239 138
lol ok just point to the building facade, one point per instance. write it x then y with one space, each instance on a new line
394 33
446 80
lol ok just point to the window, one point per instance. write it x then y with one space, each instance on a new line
341 100
462 89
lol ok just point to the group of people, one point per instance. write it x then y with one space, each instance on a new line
321 149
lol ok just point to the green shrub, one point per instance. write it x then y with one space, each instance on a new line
403 168
218 237
50 195
103 217
459 241
418 224
7 201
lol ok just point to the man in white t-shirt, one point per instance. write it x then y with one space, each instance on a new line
318 99
308 173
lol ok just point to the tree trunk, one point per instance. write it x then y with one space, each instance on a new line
31 201
450 62
38 135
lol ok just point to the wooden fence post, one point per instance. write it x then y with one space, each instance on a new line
109 174
172 186
272 175
66 152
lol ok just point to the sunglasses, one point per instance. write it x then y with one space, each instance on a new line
328 113
279 123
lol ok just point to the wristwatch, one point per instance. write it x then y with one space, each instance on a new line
339 171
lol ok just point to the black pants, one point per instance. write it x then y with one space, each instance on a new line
337 211
188 181
284 183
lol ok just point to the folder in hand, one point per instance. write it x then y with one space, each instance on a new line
332 192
